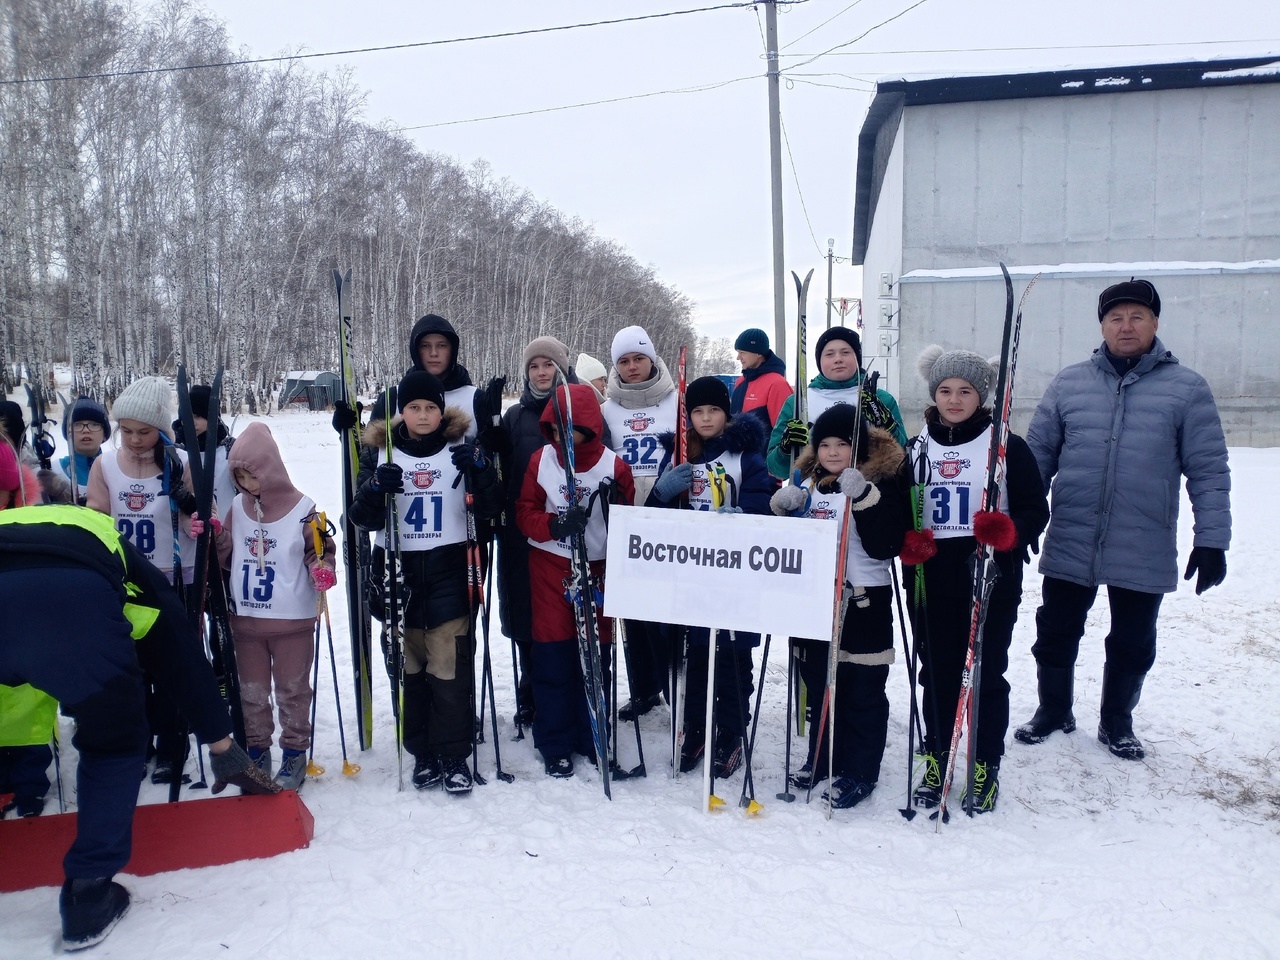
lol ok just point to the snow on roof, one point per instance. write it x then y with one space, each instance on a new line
1263 70
302 374
1150 268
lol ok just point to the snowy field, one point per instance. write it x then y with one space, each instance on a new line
1086 856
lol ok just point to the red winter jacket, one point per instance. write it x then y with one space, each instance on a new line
552 615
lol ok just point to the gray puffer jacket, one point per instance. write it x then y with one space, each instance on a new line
1114 450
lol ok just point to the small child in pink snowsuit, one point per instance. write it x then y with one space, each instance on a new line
267 544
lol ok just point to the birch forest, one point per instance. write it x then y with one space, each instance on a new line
158 216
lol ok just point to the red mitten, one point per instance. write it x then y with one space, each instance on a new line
322 577
995 529
917 547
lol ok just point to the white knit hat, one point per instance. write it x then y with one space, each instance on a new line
632 340
588 368
148 400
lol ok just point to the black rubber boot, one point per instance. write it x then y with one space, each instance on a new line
1120 693
1056 687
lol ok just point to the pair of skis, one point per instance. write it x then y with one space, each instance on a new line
800 412
208 593
985 570
580 590
355 543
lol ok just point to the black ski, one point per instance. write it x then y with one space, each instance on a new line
212 600
580 589
355 544
41 442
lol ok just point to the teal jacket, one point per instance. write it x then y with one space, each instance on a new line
778 459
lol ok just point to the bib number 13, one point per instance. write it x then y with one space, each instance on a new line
258 585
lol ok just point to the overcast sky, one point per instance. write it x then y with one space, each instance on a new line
682 180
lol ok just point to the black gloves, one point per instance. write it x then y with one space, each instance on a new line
389 478
467 455
1212 565
569 524
183 497
345 417
795 435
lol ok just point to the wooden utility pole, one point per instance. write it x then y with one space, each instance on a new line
775 176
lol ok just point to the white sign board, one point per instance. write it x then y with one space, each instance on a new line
761 574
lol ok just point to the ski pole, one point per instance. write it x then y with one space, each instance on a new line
786 795
752 805
913 720
349 769
314 769
713 802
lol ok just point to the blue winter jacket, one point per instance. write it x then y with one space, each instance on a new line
1113 451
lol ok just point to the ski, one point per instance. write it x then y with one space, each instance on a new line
680 671
985 571
41 442
580 590
393 592
355 544
801 411
844 589
212 600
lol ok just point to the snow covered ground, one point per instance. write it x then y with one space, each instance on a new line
1086 856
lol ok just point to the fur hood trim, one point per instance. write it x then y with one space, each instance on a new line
453 427
882 461
742 434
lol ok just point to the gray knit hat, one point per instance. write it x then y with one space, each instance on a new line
147 400
937 364
548 347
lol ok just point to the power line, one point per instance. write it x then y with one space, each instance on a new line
573 106
864 33
819 26
381 49
795 174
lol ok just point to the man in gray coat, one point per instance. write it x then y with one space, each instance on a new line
1114 436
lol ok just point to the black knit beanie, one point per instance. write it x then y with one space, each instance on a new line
838 333
841 421
419 385
707 391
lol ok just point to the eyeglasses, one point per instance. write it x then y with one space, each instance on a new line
88 426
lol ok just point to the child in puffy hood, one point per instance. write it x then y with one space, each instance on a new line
550 517
267 543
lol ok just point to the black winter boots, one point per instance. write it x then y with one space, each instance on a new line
1056 689
1120 693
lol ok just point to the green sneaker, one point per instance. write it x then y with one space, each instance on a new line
929 793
